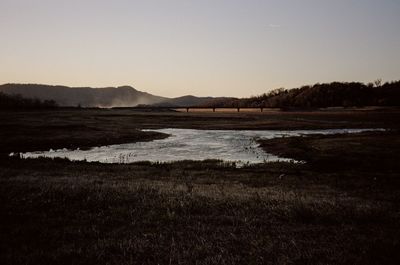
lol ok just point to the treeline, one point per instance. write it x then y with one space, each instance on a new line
336 94
18 102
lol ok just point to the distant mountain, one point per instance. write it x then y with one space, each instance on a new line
183 101
188 101
124 96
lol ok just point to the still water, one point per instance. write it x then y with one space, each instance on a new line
239 146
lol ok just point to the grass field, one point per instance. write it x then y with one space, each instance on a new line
341 207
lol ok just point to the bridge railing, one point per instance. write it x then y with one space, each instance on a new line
188 109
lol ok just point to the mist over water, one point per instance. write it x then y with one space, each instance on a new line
239 146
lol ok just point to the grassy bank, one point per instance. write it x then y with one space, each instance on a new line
368 151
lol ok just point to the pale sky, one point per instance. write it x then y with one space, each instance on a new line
204 47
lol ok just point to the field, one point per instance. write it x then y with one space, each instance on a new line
341 207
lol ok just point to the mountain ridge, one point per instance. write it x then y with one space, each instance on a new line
187 101
106 97
121 96
335 94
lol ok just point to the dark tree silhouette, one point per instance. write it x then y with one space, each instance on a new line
336 94
18 102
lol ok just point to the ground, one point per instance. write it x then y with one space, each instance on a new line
340 207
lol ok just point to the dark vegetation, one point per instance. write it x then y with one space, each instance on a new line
209 212
9 102
349 152
335 94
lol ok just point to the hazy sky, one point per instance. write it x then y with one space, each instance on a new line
215 47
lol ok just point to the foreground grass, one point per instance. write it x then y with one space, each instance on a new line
58 212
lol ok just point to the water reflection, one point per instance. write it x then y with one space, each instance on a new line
238 146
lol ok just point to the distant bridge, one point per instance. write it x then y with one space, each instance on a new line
261 109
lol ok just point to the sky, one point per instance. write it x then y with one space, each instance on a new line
204 47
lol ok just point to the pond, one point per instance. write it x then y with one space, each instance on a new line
239 146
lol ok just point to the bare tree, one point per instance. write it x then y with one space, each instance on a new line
378 82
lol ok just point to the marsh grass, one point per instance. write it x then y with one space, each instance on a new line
185 213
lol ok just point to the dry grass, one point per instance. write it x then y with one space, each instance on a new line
60 212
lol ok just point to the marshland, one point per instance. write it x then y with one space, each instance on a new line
339 207
176 132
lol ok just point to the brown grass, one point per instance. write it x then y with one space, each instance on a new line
61 212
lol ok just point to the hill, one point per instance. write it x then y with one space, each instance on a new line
336 94
124 96
187 101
